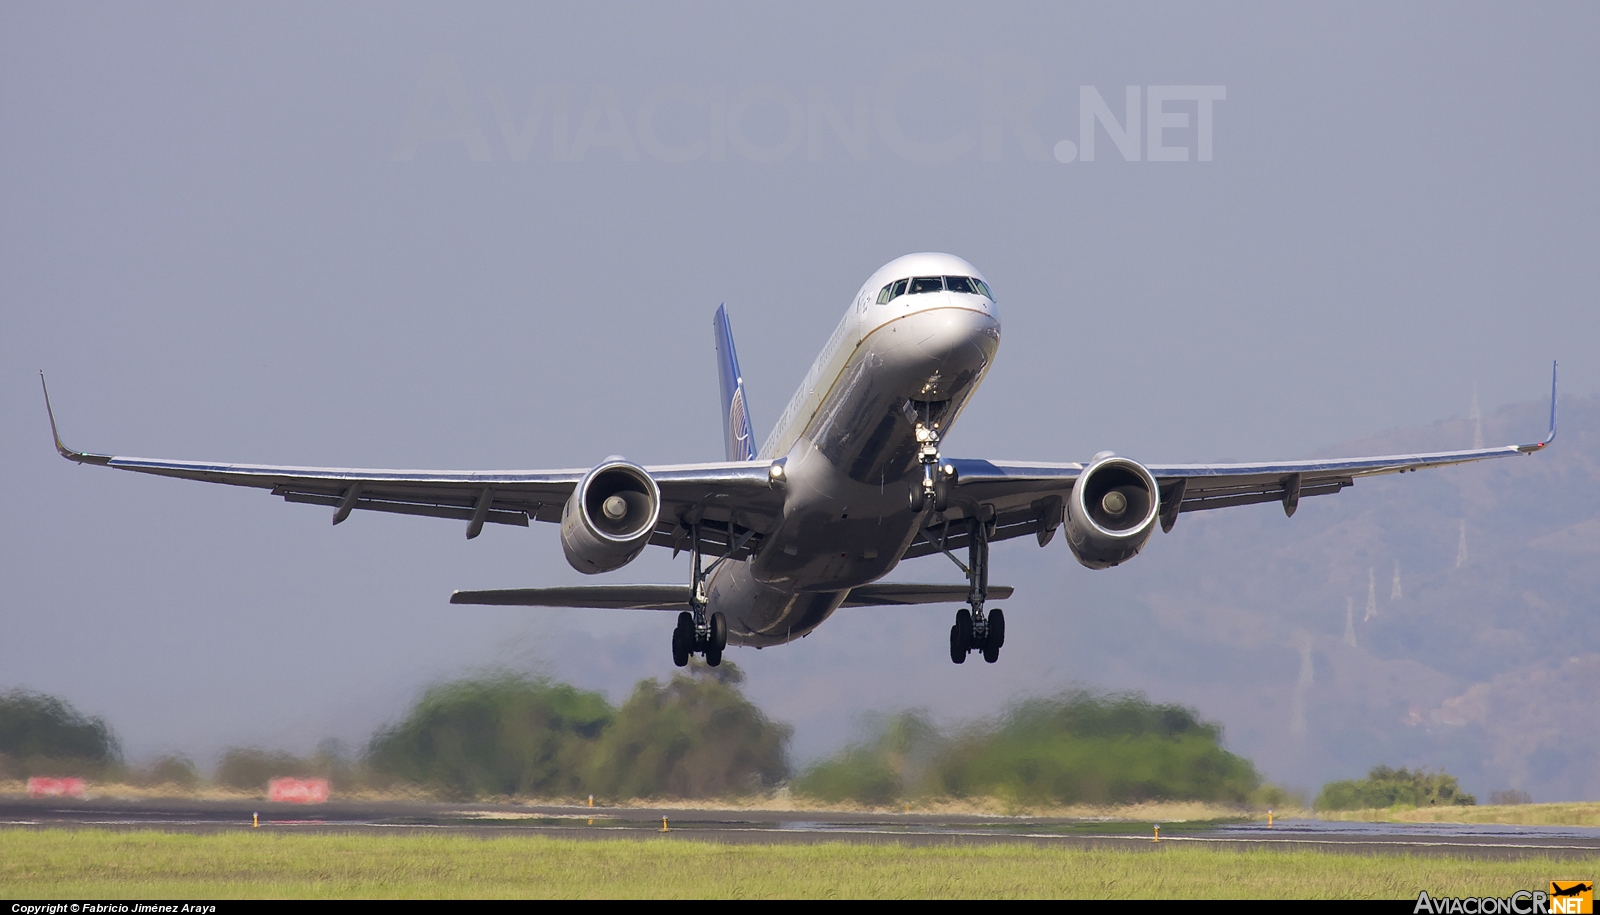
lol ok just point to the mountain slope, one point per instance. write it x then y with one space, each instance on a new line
1471 594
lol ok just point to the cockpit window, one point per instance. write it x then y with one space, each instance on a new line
968 284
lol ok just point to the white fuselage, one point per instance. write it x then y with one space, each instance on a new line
848 442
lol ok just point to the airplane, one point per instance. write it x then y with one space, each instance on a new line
851 482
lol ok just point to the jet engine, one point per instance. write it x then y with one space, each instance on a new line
609 517
1112 511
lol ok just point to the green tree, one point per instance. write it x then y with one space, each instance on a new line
1087 748
42 735
1078 747
495 735
696 736
171 770
892 762
1386 787
250 768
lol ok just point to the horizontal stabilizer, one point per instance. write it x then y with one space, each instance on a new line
895 595
596 597
676 597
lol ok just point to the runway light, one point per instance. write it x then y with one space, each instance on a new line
1269 817
1158 833
664 824
255 821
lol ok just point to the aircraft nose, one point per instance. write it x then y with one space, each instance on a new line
957 333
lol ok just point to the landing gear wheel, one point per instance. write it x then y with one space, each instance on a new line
719 633
996 637
680 651
683 639
961 636
713 656
917 500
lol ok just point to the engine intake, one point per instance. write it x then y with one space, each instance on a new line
1112 511
609 517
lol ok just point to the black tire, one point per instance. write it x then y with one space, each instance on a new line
680 651
964 629
719 632
997 628
713 656
956 653
916 499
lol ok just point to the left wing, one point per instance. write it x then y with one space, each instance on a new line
731 502
1028 498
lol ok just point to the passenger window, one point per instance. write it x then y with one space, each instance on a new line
883 295
927 284
959 284
899 289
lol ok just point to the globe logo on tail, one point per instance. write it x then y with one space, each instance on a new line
740 442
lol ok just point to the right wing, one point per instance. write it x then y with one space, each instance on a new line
730 503
1027 498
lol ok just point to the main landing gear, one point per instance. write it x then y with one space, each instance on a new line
974 630
699 632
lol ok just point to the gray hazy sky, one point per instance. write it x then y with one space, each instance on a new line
232 232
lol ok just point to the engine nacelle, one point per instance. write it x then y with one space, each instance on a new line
609 517
1112 511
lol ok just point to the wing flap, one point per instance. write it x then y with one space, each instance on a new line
493 516
881 594
949 531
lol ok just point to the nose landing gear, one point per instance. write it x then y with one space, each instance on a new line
934 491
974 630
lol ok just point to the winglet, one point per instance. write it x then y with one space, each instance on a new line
68 453
1537 446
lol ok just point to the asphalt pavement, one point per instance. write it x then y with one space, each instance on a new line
787 826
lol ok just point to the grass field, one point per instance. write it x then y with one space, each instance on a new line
1518 815
87 864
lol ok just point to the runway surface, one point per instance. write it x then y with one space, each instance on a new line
771 826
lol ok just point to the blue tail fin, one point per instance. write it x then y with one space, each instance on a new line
740 441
